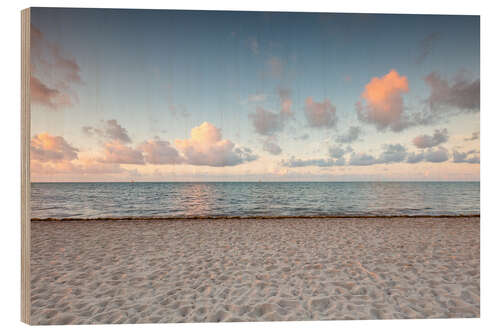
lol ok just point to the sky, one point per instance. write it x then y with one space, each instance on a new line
158 95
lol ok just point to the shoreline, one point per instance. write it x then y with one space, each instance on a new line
211 270
270 217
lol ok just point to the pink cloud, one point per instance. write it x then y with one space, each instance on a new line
320 114
206 147
117 152
48 148
285 102
428 141
160 152
86 167
266 122
53 73
48 97
384 102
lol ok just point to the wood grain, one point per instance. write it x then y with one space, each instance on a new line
25 166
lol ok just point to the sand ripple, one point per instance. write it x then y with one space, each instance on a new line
254 270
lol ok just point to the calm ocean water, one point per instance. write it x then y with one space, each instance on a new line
90 200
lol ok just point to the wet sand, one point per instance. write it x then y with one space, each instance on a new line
133 271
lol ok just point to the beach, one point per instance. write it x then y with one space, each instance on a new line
211 270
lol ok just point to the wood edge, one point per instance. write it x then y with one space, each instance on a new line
25 166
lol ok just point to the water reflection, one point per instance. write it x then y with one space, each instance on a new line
59 200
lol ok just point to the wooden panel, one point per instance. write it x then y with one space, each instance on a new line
25 167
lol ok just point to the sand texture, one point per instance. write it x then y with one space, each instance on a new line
91 272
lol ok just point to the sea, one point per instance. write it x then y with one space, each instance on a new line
249 199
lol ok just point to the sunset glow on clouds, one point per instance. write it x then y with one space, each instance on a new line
270 111
384 101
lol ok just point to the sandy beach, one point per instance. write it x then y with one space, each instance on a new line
132 271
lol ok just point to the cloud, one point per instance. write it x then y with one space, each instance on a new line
428 141
114 131
111 130
393 153
48 97
285 102
266 122
53 73
426 45
206 147
384 102
415 157
85 167
47 148
88 130
474 136
160 152
271 147
362 159
471 157
436 155
293 162
48 56
338 151
117 152
352 135
461 94
430 155
320 115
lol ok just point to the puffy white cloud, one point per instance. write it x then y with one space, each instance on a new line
47 148
428 141
384 102
320 114
206 147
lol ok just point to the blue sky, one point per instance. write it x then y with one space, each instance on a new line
160 74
